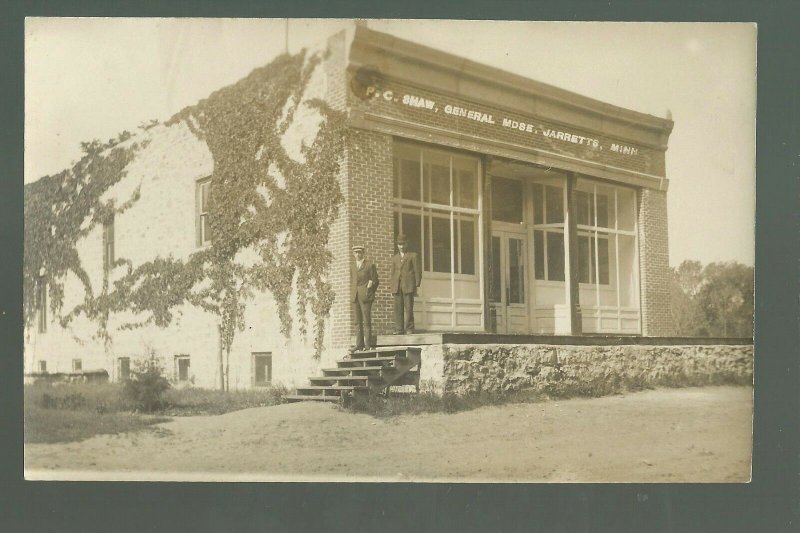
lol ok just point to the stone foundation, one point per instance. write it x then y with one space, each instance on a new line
581 370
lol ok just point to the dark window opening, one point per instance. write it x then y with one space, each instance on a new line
262 369
495 285
124 368
591 255
507 200
440 244
204 233
108 244
555 256
41 305
467 237
182 368
554 211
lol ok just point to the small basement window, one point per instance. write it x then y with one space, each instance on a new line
124 368
262 369
182 367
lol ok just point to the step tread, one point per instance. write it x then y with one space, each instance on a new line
349 368
343 378
379 358
390 349
311 397
331 387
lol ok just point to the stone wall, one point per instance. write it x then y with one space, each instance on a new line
582 370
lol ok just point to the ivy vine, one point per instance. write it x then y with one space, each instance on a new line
261 201
63 208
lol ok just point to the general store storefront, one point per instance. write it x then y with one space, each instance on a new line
534 210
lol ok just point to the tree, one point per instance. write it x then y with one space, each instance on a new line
712 301
726 299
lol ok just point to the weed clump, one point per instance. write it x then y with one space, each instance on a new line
146 386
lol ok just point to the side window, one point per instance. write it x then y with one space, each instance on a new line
203 189
124 366
262 368
41 305
77 365
43 367
108 244
182 368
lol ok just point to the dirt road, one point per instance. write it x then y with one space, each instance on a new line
666 435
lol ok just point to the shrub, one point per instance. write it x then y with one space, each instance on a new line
147 385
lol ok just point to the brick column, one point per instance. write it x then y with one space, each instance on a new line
365 216
654 263
370 184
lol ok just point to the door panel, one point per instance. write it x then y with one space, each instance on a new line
509 288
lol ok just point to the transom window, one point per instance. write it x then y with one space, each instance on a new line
507 196
436 207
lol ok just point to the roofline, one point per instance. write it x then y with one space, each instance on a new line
408 50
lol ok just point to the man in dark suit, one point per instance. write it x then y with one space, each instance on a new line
364 283
406 277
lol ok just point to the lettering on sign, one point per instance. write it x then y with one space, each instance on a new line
415 101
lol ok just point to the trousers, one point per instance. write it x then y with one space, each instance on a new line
403 312
363 311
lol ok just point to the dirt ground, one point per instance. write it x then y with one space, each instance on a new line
665 435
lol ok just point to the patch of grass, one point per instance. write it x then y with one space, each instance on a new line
64 425
65 412
396 404
95 397
192 401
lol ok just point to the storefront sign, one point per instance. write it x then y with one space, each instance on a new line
494 119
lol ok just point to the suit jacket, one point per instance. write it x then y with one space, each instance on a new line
360 278
406 273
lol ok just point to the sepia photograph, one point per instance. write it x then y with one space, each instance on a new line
349 250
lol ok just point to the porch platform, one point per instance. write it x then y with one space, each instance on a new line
426 338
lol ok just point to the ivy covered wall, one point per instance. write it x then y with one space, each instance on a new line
272 147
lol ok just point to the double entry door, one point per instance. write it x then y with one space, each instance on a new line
508 289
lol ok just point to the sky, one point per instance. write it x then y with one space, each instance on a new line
93 78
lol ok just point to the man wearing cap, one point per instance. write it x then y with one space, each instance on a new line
406 277
364 280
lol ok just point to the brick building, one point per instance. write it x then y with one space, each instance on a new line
534 210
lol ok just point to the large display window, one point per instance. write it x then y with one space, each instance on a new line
437 205
607 257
